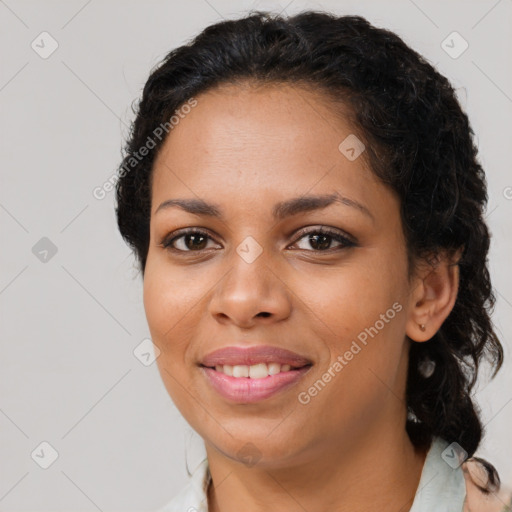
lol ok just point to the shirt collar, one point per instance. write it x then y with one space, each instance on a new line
441 487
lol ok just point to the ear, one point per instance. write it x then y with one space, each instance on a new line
434 291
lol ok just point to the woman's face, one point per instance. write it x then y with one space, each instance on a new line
250 278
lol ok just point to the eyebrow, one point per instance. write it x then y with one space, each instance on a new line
280 211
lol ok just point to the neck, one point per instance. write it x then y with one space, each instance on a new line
380 470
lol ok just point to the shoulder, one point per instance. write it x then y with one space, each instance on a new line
483 490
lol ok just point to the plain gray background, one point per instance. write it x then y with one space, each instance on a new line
70 324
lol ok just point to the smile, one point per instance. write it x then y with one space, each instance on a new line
249 384
255 371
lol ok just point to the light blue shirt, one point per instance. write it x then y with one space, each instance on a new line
441 487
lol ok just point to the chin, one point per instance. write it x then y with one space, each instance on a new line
258 448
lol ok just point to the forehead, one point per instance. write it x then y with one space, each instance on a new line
247 140
232 114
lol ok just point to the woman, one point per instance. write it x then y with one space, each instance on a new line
306 206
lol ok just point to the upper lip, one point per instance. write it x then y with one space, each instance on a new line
234 355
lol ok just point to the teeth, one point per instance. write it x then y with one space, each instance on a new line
274 368
240 370
255 371
258 371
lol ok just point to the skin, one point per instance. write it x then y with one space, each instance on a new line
245 148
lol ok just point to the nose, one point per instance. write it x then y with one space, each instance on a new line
250 293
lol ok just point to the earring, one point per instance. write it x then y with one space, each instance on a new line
411 416
427 367
422 327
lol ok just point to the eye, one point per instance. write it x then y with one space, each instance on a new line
195 240
320 239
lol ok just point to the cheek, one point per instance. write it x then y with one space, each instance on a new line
360 314
169 308
349 300
171 300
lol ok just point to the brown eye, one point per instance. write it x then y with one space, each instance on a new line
320 239
190 241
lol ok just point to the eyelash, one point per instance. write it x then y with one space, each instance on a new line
336 235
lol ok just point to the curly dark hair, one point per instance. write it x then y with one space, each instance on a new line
419 142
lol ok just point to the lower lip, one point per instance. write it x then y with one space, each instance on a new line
246 390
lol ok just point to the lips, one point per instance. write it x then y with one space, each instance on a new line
249 356
251 374
244 390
